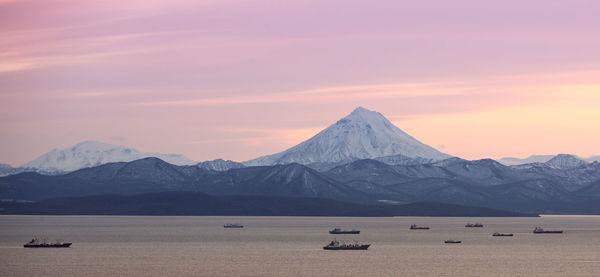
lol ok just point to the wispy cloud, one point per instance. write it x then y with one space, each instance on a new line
358 92
178 70
258 136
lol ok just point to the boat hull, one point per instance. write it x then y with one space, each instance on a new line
359 247
548 232
452 241
343 232
503 235
61 245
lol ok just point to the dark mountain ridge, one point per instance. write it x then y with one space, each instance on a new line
475 183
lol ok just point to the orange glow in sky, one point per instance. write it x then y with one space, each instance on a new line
242 79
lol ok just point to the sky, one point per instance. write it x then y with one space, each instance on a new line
241 79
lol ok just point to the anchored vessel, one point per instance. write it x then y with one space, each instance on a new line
452 241
336 245
496 234
477 224
539 230
338 230
35 243
415 227
233 225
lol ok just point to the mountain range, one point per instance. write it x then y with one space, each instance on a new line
363 158
540 159
484 183
363 134
87 154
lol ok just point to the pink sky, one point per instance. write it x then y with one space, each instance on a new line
241 79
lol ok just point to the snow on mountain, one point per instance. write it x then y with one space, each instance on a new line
403 160
565 161
220 165
538 159
6 169
528 160
93 153
363 134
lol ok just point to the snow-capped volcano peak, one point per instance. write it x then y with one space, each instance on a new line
94 153
363 134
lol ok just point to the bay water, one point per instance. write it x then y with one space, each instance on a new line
292 246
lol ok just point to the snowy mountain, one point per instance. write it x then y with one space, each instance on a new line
363 134
6 169
93 153
539 159
403 160
528 160
220 165
565 161
483 183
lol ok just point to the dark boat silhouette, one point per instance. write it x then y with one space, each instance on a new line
476 225
452 241
338 230
35 243
336 245
539 230
496 234
415 227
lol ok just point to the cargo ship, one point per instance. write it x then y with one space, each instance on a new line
539 230
339 230
35 243
415 227
336 245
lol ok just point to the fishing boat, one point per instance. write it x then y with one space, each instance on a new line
496 234
415 227
336 245
35 243
452 241
339 230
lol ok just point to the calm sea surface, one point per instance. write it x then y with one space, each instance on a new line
292 246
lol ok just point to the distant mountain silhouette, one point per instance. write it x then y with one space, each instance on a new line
486 183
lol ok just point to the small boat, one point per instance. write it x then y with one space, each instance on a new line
452 241
233 225
415 227
477 224
496 234
35 243
539 230
338 230
336 245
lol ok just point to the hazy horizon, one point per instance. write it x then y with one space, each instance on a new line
242 79
525 157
